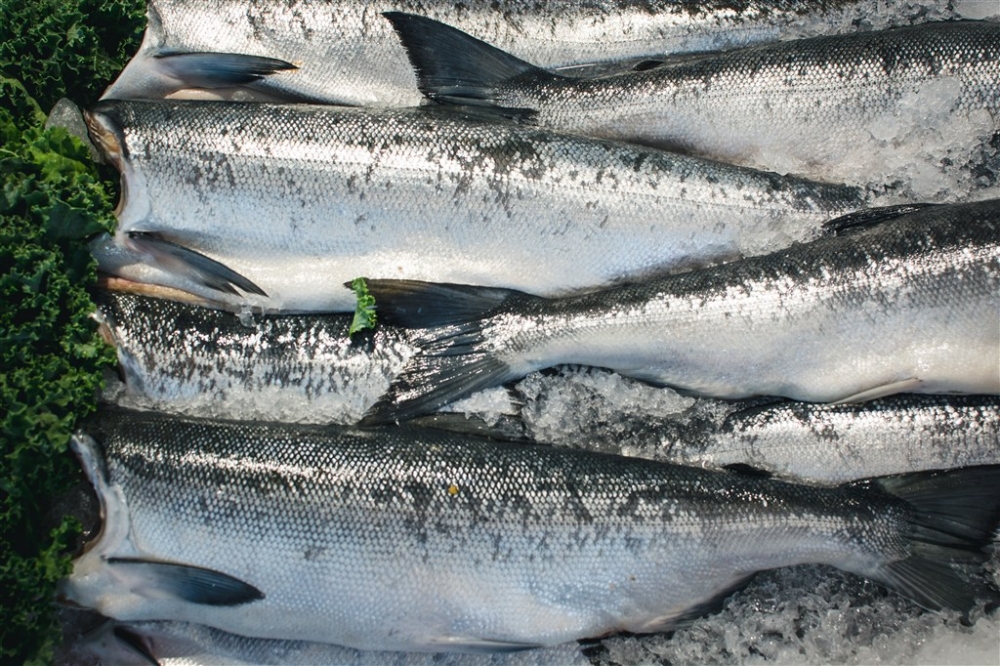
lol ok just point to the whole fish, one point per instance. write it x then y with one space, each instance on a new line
199 361
345 52
814 107
904 304
294 200
833 444
185 644
399 539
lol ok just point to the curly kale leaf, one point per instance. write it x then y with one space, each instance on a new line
51 200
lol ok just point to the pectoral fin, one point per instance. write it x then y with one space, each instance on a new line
190 264
218 70
193 584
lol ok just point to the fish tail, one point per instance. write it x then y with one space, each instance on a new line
453 361
952 520
453 67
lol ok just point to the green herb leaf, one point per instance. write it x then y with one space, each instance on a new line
364 312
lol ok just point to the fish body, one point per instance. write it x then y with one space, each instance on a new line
345 52
200 361
185 644
300 199
402 539
908 304
834 444
827 107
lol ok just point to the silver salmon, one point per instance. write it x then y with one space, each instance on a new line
400 539
847 108
276 206
199 361
186 644
907 303
345 52
833 444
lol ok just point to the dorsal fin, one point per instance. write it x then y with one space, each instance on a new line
454 67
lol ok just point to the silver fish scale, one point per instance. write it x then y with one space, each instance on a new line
302 199
812 101
403 539
203 362
184 644
837 443
912 300
347 52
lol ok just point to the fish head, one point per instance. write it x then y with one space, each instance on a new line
113 643
106 134
87 582
106 123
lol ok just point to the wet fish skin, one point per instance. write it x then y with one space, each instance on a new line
833 444
199 361
909 304
809 106
299 199
184 644
407 540
346 53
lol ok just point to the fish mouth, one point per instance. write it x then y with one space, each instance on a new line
110 142
107 136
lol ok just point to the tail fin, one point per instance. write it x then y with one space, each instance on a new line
454 67
453 361
954 517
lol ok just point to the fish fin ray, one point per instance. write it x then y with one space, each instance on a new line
191 264
193 584
954 515
414 304
438 375
869 217
902 386
218 70
451 362
454 67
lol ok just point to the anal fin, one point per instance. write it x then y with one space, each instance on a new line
902 386
479 645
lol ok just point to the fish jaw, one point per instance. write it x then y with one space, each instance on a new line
89 581
134 205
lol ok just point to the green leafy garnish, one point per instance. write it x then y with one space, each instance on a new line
51 358
364 312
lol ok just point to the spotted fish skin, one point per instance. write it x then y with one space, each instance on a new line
402 539
300 199
908 304
200 361
345 52
827 107
833 444
186 644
